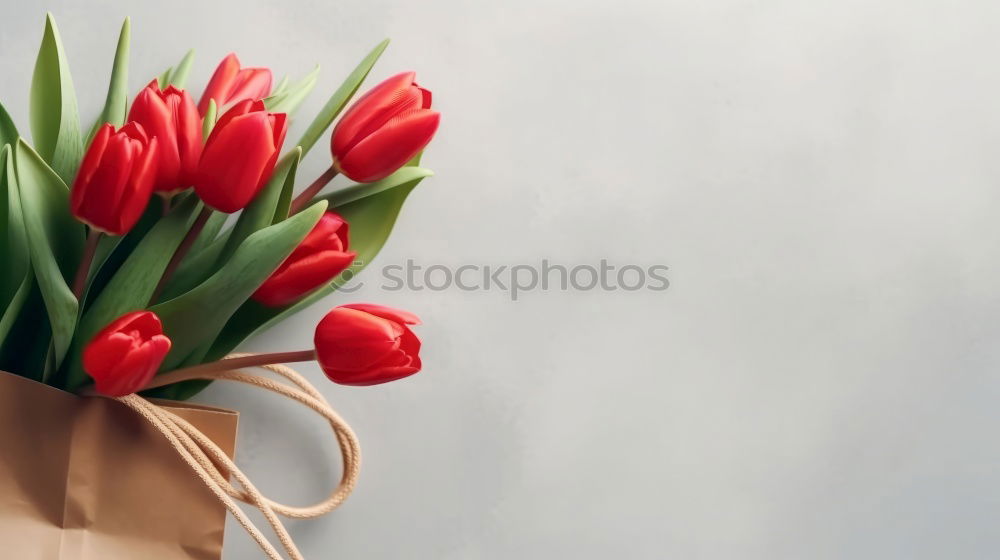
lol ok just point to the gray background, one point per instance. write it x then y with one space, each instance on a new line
821 177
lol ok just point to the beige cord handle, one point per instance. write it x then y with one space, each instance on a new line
210 463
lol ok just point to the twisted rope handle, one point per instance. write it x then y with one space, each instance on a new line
211 464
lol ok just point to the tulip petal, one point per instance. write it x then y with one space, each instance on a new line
250 83
357 116
89 165
220 83
297 278
189 139
125 354
142 180
374 377
234 161
146 323
353 132
385 312
389 148
348 339
98 359
426 97
151 110
104 191
241 108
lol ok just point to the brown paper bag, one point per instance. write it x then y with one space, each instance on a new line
85 478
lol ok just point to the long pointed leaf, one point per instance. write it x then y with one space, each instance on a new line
55 123
8 132
7 277
24 330
116 104
179 75
339 99
15 274
291 96
209 233
358 191
25 346
55 241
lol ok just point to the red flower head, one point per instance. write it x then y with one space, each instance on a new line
239 156
171 117
366 344
231 84
320 257
126 354
384 129
115 180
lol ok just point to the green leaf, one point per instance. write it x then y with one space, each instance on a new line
163 80
339 99
14 306
284 204
195 318
55 241
371 219
209 123
6 275
288 99
55 123
133 284
113 251
195 269
358 191
280 87
26 340
178 76
16 278
209 233
116 104
8 132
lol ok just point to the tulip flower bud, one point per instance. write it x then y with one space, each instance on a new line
231 84
115 180
171 117
239 156
366 344
126 354
320 257
384 129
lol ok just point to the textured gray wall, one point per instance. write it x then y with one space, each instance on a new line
821 177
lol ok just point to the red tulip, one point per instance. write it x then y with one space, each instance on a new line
126 354
320 257
366 344
239 156
115 180
171 117
231 84
384 129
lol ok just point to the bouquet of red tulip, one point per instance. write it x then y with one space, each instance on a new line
125 273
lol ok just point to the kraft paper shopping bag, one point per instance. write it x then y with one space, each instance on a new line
85 478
